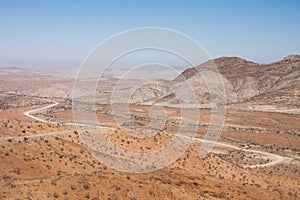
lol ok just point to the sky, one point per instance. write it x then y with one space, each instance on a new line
62 33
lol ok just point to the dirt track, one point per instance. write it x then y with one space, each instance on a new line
276 159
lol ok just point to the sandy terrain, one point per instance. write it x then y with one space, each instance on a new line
43 155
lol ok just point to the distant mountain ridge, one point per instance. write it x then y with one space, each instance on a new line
13 68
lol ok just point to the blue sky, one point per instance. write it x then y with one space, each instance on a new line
62 33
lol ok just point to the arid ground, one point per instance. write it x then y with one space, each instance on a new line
257 155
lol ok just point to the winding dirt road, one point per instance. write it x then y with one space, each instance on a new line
28 113
276 159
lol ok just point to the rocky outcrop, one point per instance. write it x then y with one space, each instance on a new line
244 81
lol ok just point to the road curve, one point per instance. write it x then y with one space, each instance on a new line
29 113
277 158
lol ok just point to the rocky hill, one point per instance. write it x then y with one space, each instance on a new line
276 84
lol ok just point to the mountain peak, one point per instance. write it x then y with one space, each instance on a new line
230 58
292 57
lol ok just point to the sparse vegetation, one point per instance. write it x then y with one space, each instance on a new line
59 166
